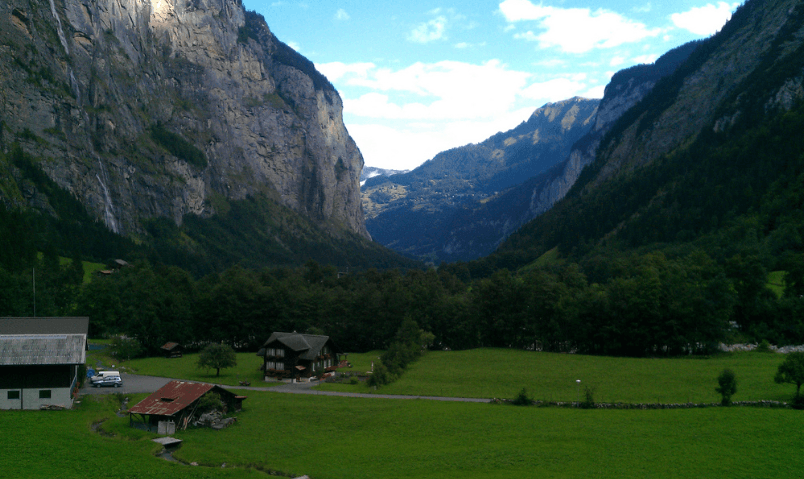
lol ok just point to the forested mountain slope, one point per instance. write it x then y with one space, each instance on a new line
711 158
481 227
413 213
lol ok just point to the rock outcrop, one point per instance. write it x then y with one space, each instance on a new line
164 108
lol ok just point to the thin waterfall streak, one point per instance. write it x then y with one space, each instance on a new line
58 25
108 206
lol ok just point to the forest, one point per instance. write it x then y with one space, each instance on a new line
641 305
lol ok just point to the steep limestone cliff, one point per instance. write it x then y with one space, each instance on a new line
164 108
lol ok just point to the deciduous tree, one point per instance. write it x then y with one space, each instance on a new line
217 356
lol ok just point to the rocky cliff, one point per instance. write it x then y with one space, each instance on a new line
438 211
167 108
493 221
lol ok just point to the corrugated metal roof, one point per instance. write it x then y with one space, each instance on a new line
171 398
42 349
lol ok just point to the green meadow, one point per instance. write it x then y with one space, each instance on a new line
351 438
247 369
333 437
502 373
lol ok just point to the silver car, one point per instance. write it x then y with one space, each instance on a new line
115 381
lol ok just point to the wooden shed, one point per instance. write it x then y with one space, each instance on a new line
177 401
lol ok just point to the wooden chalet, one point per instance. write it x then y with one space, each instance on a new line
39 361
296 356
172 350
177 401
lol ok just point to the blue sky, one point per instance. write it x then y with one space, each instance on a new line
420 77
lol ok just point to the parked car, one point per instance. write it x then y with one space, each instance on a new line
103 374
115 381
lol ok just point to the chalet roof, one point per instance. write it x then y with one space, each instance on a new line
311 344
42 349
59 325
173 397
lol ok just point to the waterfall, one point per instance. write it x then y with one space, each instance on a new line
74 86
108 207
58 24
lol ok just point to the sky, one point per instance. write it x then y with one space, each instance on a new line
420 77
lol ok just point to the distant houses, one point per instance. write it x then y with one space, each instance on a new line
39 361
297 356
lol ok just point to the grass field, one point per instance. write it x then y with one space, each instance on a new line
247 369
351 438
501 373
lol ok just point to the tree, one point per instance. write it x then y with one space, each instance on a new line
792 371
727 386
217 356
125 348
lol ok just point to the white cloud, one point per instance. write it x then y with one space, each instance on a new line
444 90
341 15
429 31
554 90
647 59
594 92
616 61
408 146
706 20
334 71
643 9
575 30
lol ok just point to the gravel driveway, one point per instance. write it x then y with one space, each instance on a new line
132 383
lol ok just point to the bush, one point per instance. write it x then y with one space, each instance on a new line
763 347
522 399
209 402
727 386
589 398
125 348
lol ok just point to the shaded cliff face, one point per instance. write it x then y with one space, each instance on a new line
163 108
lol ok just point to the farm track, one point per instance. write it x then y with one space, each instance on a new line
135 383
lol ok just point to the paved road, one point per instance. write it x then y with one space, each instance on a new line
135 383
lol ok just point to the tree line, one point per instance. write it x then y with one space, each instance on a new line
642 305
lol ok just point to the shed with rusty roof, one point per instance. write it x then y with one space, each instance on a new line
177 401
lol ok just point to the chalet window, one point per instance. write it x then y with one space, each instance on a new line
280 366
13 395
44 394
280 353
